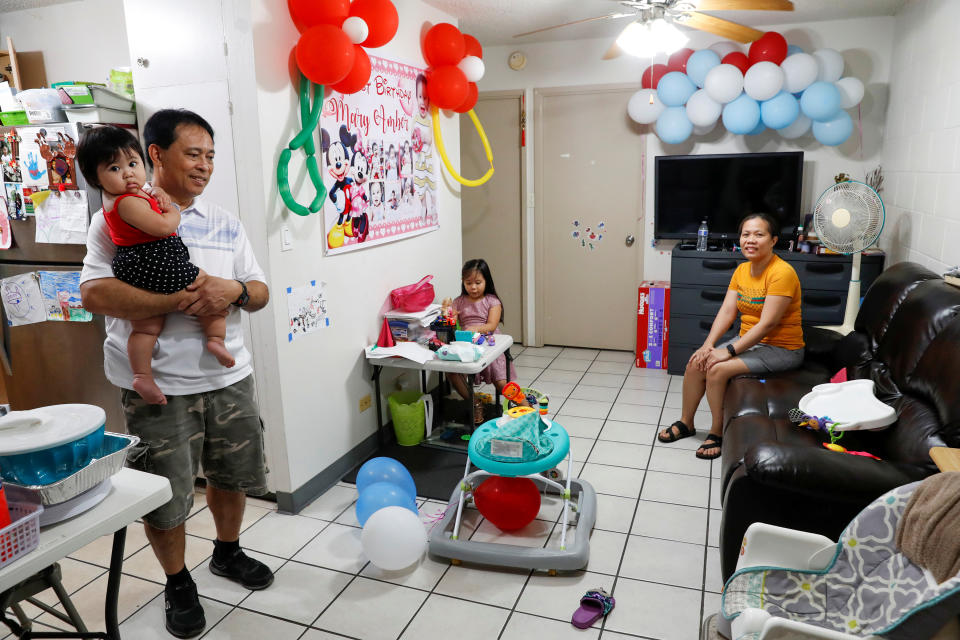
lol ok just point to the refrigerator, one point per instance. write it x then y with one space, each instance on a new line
51 362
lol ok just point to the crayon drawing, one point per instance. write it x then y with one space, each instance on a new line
61 296
22 301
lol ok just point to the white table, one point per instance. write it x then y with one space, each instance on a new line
133 494
501 347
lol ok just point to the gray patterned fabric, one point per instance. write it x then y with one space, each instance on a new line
870 588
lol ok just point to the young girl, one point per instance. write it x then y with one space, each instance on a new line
478 308
150 255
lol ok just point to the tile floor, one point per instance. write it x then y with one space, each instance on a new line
655 544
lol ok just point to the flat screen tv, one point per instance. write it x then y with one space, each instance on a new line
724 188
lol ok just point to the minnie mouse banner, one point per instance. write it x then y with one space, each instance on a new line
378 160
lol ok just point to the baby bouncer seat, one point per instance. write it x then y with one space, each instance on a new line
793 584
520 444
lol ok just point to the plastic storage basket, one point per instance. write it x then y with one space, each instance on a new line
23 535
408 413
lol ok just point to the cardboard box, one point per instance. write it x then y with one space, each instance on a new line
653 320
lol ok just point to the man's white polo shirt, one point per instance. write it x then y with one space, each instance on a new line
218 244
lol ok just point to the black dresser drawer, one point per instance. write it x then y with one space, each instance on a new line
695 329
715 270
818 306
825 273
696 300
678 356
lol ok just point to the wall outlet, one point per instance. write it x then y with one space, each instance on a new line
365 403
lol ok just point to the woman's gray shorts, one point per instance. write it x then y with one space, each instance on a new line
764 358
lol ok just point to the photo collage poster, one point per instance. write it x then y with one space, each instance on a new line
378 160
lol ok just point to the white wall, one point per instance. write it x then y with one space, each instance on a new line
866 47
921 150
314 384
79 40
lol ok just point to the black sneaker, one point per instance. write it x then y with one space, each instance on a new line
240 567
183 611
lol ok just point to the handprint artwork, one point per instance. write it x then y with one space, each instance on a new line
34 170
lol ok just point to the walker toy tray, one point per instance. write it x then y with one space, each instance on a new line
850 404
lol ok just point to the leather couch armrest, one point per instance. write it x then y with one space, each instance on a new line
820 346
820 473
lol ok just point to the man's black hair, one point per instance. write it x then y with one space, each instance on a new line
161 128
101 145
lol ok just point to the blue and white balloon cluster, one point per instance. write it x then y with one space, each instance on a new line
393 537
777 87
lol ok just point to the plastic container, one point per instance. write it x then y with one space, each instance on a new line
23 535
103 97
13 118
48 444
104 115
4 508
408 413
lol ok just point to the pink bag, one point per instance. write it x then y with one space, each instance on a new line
413 297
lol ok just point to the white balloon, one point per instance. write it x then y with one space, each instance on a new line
829 63
393 538
704 130
799 72
702 110
472 67
356 29
793 130
723 83
763 81
851 91
723 48
645 106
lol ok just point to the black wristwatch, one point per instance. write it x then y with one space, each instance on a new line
731 351
244 296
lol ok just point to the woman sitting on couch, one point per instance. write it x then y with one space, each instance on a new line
766 292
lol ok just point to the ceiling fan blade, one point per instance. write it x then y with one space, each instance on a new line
724 28
610 16
744 5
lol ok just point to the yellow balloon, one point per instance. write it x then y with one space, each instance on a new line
443 152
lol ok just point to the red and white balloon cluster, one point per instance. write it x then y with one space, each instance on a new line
772 86
333 34
455 62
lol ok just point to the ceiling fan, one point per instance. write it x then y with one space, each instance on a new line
686 13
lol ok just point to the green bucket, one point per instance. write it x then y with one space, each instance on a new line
408 415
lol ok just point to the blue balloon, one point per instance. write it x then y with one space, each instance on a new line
779 111
700 63
379 495
820 101
834 132
792 49
742 115
385 470
757 129
675 89
673 125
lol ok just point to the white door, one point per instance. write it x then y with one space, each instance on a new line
588 210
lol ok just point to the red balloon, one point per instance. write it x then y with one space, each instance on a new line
358 76
308 13
737 59
651 77
443 45
473 47
325 54
472 95
446 86
678 60
381 18
509 503
770 47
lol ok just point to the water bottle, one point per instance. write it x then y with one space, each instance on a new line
702 234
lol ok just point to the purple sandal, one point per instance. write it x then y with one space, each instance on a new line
595 604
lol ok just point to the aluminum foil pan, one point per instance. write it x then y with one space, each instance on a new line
112 457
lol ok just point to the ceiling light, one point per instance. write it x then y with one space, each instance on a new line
646 39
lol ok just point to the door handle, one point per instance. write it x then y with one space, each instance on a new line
629 240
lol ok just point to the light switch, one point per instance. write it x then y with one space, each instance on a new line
286 240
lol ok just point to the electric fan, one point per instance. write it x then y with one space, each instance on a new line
848 218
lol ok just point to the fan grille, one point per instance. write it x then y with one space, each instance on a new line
848 217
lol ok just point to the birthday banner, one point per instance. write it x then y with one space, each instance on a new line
378 160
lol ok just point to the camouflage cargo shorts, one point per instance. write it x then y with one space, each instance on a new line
220 429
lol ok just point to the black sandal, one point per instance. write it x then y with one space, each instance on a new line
683 431
712 441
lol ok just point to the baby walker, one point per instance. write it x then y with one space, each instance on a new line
520 444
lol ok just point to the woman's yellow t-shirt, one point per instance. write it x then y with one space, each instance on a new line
778 279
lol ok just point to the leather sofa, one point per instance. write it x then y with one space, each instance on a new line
906 339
